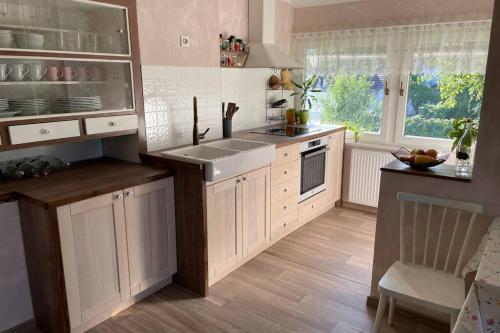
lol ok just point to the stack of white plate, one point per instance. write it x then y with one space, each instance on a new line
79 104
5 38
4 104
29 107
29 40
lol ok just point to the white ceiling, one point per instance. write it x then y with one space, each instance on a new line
314 3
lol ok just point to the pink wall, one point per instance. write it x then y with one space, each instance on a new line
233 18
368 14
284 25
161 22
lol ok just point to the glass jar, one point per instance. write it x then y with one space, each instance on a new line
464 152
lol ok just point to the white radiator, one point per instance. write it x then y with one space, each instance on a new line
364 178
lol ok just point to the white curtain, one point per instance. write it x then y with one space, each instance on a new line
460 47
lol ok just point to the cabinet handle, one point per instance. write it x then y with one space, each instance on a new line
286 172
119 196
112 123
286 154
285 224
129 194
244 179
46 131
284 207
312 206
285 190
121 31
238 180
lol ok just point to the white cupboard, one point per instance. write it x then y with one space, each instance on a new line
238 214
150 227
115 246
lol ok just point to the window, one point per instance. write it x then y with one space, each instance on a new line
401 85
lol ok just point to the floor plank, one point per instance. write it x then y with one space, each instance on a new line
314 280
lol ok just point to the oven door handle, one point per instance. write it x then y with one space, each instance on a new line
318 152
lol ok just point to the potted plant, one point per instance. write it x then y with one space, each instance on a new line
355 129
306 98
464 134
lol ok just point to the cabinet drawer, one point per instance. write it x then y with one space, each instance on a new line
286 154
43 131
311 208
283 225
284 207
289 188
284 172
111 124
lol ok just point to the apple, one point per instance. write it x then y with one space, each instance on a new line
431 152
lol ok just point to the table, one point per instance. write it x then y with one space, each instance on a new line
481 310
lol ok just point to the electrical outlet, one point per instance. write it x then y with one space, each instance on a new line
185 41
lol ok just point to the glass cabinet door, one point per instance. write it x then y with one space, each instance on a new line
76 26
51 86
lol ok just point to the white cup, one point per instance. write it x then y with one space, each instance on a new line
38 72
19 71
5 70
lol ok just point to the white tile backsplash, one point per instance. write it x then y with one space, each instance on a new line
168 100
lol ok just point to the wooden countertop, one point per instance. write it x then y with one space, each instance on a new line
81 181
442 171
281 141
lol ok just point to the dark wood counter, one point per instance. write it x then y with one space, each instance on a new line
281 141
442 171
81 181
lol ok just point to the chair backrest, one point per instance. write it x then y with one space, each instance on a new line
444 240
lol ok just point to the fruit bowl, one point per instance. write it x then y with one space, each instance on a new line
418 159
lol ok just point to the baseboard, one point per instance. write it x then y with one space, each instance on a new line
435 323
363 208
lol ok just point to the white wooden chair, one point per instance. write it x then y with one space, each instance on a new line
428 284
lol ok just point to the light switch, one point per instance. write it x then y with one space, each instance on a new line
185 41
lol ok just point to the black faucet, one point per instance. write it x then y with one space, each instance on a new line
197 136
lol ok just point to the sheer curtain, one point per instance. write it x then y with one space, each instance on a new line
460 47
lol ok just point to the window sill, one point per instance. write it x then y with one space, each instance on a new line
442 171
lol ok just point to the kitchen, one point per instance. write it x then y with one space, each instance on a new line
227 205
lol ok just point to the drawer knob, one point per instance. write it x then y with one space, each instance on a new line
286 172
119 196
312 206
285 224
112 123
46 131
238 180
244 179
286 154
284 207
129 194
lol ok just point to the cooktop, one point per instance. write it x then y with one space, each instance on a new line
286 130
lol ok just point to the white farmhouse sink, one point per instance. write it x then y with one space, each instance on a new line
226 158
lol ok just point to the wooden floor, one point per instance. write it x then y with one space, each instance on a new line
315 280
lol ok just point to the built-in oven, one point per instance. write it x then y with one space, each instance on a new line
313 167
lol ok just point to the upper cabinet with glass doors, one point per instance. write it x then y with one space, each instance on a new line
68 26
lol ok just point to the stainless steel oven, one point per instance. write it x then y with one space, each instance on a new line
313 167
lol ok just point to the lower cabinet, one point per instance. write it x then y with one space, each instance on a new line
238 214
150 216
94 253
115 246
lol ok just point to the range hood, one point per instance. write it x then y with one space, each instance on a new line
261 27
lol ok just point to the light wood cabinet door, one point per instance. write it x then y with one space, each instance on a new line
334 167
150 227
94 254
256 214
224 224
